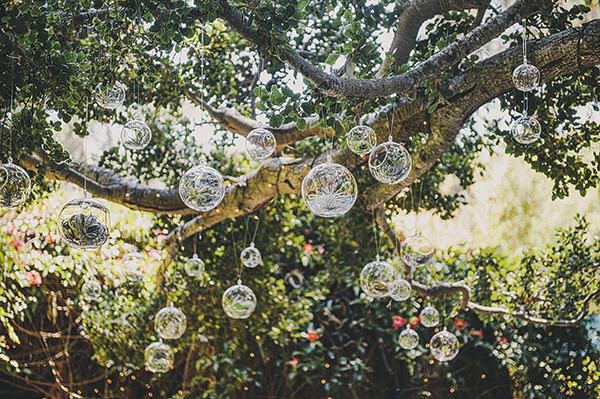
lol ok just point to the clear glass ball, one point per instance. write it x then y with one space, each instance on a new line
260 143
251 256
361 139
526 77
408 338
170 323
526 129
83 223
159 357
136 135
202 188
329 190
390 163
134 266
194 267
376 278
15 185
239 301
444 346
400 289
91 290
416 251
429 316
110 96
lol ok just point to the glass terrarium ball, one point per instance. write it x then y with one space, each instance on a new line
444 346
170 323
361 139
251 256
110 96
526 77
194 267
83 223
429 316
202 188
526 129
376 278
390 163
329 190
15 185
400 289
260 143
239 301
159 357
136 135
91 290
134 266
416 251
408 338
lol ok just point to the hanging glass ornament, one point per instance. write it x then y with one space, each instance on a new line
400 289
376 278
329 190
91 290
526 77
194 267
83 223
260 143
15 185
159 357
429 316
251 256
202 188
170 323
526 129
408 338
416 251
239 301
134 266
361 139
390 162
444 346
136 135
110 96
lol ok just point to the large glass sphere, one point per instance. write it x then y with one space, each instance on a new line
329 190
239 301
390 163
361 139
526 77
526 129
15 185
444 346
170 323
408 338
136 135
202 188
376 278
91 290
159 357
110 96
260 143
134 266
83 223
429 316
400 289
194 267
251 256
416 251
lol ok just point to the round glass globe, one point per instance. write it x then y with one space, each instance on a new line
444 346
15 185
361 139
400 289
136 135
416 251
91 290
202 188
429 316
83 223
526 129
134 266
329 190
408 338
260 143
390 163
251 256
110 96
376 278
239 301
159 357
170 323
194 267
526 77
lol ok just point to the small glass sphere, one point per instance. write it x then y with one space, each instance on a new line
91 290
400 289
170 323
429 316
194 267
134 266
136 135
526 77
444 346
83 223
260 143
159 357
329 190
15 185
110 96
202 188
376 278
408 338
390 163
361 139
239 301
416 251
251 256
526 129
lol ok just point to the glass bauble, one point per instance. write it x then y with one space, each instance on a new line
390 163
170 323
110 96
91 290
202 188
239 301
251 256
136 135
361 139
444 346
400 289
408 338
159 357
15 185
134 266
526 77
376 278
83 223
416 251
329 190
526 129
429 317
194 267
260 143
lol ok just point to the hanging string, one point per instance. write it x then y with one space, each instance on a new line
256 228
376 236
524 41
391 125
202 77
237 263
526 100
85 143
12 99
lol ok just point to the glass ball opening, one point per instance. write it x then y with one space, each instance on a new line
239 301
376 278
83 223
251 257
400 290
202 188
110 96
159 357
329 190
361 139
390 163
15 185
444 346
136 135
170 323
429 317
526 129
194 267
416 251
260 143
408 339
91 290
526 77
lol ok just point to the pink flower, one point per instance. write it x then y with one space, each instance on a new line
415 321
18 244
154 254
160 238
312 336
321 250
12 228
479 333
50 239
398 321
294 362
504 340
33 278
459 324
307 248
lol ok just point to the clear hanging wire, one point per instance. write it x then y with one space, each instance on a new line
524 41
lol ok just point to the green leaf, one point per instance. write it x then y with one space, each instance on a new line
433 107
276 120
332 59
301 124
276 97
